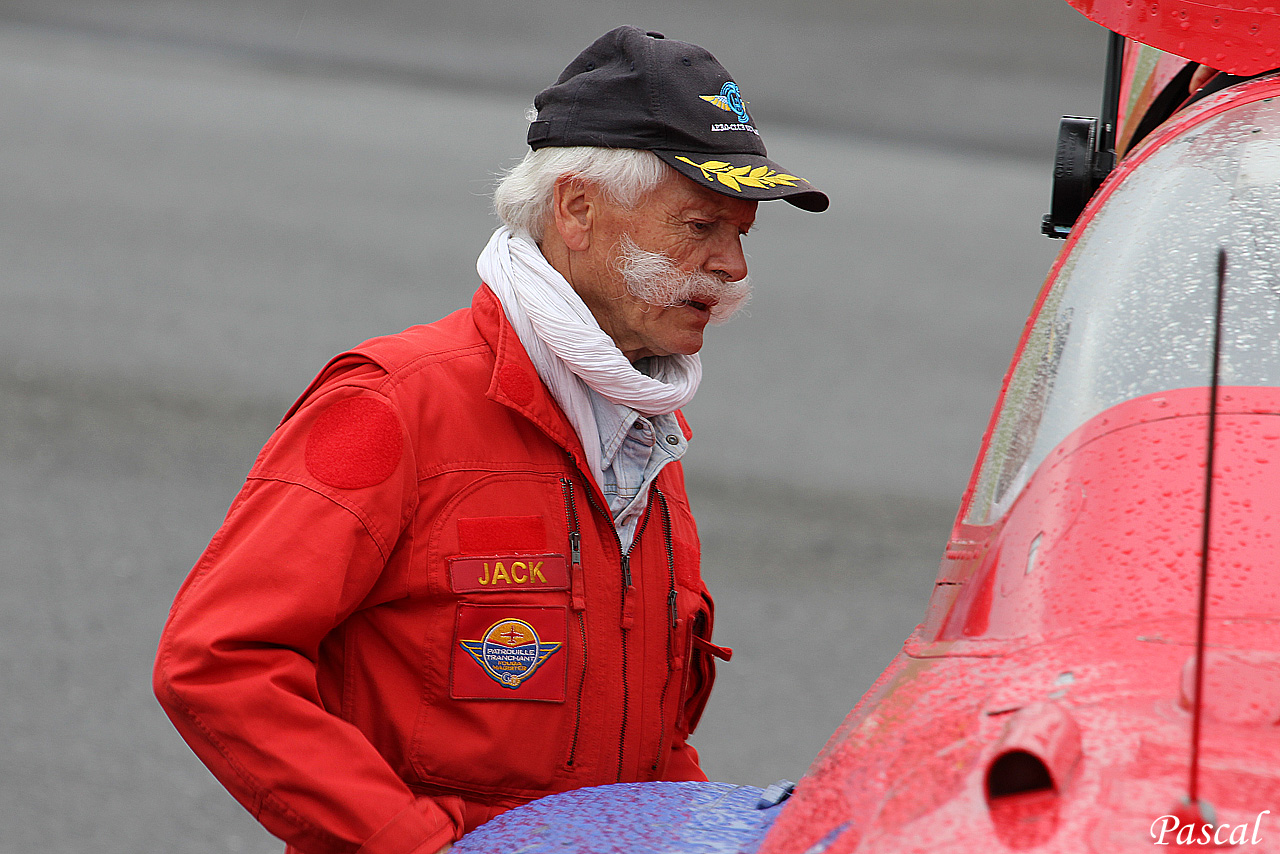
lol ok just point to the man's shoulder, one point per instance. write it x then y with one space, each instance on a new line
451 336
392 364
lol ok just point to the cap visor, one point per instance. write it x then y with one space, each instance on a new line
746 176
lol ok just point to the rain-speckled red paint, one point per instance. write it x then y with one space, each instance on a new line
1238 36
1099 632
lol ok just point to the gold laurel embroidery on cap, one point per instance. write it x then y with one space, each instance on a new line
761 177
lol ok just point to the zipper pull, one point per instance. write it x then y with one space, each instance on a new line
628 594
673 646
721 652
576 579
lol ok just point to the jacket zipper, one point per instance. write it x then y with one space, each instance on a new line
579 604
671 626
627 605
627 616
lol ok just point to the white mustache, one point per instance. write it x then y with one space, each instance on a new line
656 279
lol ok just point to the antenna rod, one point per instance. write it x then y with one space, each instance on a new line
1194 794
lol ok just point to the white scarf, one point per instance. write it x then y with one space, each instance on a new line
569 349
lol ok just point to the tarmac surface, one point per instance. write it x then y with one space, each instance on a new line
204 201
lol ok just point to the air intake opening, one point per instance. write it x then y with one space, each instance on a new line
1017 772
1022 801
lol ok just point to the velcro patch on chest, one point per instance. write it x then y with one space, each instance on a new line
509 653
502 573
354 444
487 535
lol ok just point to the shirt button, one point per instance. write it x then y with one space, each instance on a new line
672 440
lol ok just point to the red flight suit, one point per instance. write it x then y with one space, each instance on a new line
417 614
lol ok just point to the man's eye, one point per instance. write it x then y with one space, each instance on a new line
700 226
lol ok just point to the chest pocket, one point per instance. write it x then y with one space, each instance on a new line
512 655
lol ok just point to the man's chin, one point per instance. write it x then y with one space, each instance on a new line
687 346
680 348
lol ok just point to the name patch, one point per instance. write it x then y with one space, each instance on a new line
509 653
508 572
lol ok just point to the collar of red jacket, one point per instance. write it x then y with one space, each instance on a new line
515 382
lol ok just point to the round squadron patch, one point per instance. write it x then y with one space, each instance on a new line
510 652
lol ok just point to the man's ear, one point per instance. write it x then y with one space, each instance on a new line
573 211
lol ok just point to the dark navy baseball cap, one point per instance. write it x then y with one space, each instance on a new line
632 89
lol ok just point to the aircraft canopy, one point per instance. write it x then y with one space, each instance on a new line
1130 312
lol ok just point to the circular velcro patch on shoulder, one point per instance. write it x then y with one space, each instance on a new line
354 444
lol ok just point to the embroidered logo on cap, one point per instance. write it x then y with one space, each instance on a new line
729 100
737 177
510 652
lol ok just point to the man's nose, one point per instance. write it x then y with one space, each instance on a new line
729 262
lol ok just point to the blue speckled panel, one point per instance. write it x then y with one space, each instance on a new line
630 818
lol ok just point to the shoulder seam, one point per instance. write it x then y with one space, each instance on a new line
371 528
404 372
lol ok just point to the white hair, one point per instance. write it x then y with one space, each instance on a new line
523 197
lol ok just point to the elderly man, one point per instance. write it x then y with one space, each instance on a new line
463 573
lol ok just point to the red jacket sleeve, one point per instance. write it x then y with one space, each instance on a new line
303 545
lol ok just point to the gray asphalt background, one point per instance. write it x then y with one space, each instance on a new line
203 201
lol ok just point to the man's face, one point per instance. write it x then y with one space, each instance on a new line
699 230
